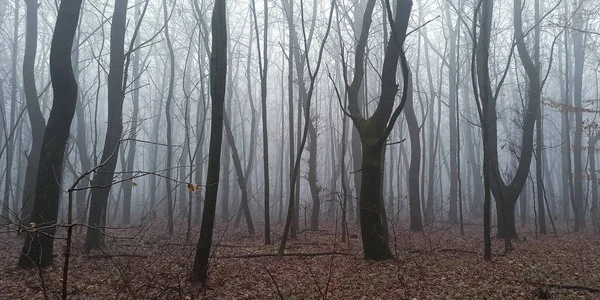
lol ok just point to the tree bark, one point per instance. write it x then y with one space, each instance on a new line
218 76
103 179
579 52
38 124
375 130
38 246
127 187
414 199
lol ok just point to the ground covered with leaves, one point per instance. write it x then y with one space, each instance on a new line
141 262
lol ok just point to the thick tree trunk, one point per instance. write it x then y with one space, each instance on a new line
38 246
373 237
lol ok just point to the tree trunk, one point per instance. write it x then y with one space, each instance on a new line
9 213
594 181
218 76
38 246
102 181
38 124
414 199
579 52
127 188
241 177
170 204
373 237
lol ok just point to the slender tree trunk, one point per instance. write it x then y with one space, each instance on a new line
218 76
414 198
594 179
453 122
169 122
579 52
9 213
127 188
263 93
38 124
565 148
103 179
241 177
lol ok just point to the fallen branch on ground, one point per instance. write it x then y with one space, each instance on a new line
116 255
574 287
285 254
452 250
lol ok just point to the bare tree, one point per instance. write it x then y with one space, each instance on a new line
114 131
375 130
38 124
38 246
218 76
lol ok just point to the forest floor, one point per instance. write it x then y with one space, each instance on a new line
141 262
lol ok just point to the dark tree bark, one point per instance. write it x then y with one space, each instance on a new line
38 124
218 76
103 179
414 198
482 90
506 195
375 130
38 246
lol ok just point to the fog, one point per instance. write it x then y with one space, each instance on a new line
359 116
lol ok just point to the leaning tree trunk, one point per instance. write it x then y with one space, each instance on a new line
241 177
103 179
38 246
218 76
